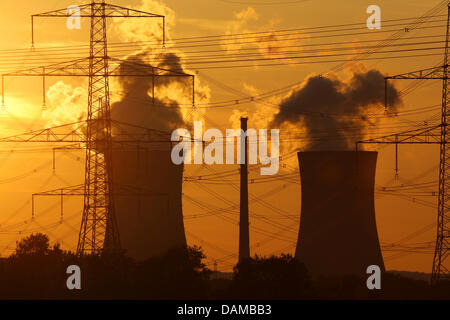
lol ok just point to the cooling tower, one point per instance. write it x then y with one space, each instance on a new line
338 233
148 192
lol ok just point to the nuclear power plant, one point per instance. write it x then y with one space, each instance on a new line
338 232
150 218
133 194
337 236
150 211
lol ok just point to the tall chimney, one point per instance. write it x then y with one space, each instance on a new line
244 241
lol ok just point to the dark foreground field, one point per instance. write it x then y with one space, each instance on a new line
38 271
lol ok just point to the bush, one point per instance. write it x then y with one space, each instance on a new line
275 277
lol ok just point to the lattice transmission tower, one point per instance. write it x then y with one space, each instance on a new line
437 134
99 229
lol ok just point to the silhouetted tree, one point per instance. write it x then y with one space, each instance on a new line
35 270
107 276
275 277
177 274
35 244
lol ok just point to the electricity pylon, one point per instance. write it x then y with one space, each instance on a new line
98 230
433 135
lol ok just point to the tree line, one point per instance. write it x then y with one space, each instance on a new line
37 270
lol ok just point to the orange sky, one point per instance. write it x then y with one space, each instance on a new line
28 169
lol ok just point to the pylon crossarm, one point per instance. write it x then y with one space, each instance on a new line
429 135
80 191
75 133
436 73
85 11
111 11
118 68
126 127
130 68
121 190
80 68
51 134
77 190
114 11
72 68
88 11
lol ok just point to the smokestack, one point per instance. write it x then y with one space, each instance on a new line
338 233
244 241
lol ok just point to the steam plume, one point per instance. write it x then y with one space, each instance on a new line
335 112
136 106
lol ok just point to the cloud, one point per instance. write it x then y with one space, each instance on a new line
247 15
268 44
65 104
259 113
150 29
